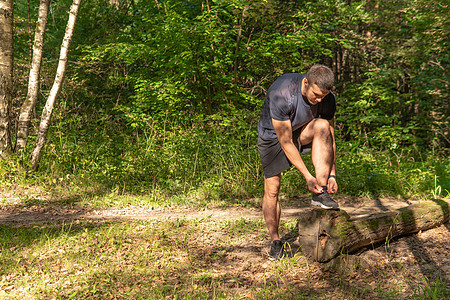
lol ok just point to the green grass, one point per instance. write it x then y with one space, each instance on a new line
189 259
94 260
131 260
205 165
433 288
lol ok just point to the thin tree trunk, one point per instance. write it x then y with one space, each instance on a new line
48 109
6 73
238 42
33 80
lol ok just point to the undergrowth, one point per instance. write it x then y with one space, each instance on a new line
208 162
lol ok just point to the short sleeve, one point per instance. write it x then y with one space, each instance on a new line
327 108
279 107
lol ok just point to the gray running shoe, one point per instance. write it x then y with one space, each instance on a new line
324 200
276 250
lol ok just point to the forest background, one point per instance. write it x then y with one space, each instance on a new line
162 98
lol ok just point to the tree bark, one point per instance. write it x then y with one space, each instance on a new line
33 79
324 234
238 43
49 105
6 73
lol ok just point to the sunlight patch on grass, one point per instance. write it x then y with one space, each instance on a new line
94 259
191 258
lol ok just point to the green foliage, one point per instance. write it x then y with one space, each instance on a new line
403 100
163 97
211 161
216 162
188 60
390 173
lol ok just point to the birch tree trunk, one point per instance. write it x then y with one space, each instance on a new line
33 79
49 105
6 73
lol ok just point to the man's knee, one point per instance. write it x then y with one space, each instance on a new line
322 126
272 187
271 194
317 128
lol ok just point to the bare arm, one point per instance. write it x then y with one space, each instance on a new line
283 129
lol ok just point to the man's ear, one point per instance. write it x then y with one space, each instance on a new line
306 82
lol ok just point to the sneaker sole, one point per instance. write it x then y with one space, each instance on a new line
316 203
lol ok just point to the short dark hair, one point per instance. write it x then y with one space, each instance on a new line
322 76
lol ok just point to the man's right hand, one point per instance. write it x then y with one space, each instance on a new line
314 186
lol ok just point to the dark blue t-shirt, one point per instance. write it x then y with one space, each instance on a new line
284 101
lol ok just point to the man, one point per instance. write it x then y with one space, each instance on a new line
297 117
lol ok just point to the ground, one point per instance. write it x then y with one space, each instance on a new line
224 252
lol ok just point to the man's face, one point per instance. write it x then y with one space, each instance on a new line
314 94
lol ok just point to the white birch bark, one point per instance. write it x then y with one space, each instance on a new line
6 73
49 105
33 79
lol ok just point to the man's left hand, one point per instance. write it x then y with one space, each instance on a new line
332 186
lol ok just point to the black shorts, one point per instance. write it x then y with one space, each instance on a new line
273 158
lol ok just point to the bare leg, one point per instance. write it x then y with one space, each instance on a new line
271 206
318 132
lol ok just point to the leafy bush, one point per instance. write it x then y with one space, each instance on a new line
216 159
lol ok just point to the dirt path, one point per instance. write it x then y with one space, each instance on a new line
401 260
52 213
34 214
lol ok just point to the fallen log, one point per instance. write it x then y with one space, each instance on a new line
324 234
